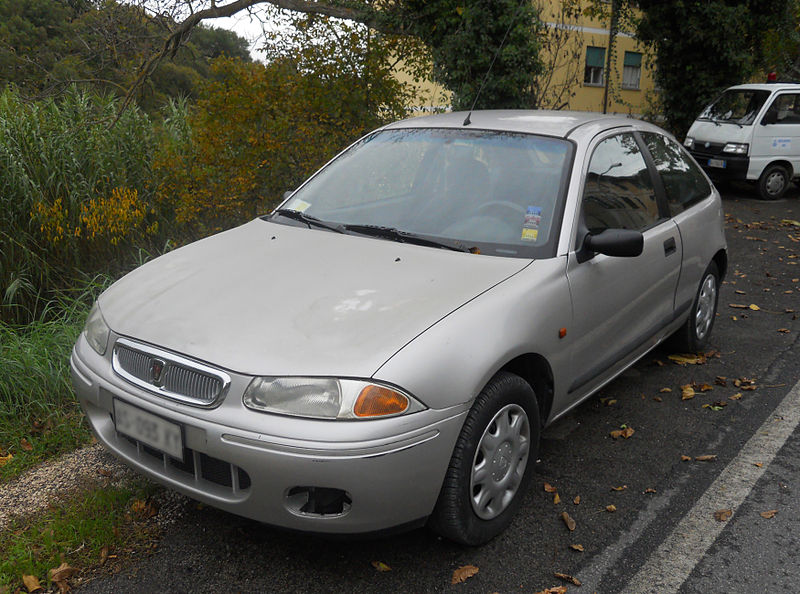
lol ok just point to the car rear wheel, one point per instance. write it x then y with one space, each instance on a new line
694 334
773 182
491 464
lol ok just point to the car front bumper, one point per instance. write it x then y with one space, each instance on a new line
262 466
722 166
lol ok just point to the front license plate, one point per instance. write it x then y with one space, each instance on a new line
149 429
717 163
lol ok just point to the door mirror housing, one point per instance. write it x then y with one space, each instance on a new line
621 243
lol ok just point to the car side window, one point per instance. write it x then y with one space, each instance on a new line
683 181
619 192
786 108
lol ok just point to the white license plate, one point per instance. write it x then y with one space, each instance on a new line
149 429
717 163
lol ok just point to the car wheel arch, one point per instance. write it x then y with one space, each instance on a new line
721 260
537 372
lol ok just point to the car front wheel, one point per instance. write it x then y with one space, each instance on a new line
491 464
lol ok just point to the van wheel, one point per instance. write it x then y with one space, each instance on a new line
773 182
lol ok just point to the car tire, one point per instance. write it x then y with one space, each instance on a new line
694 334
773 182
492 463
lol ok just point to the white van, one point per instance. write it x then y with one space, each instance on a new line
750 132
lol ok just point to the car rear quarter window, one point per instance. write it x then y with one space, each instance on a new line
619 192
683 181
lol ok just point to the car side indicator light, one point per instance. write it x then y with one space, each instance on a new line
562 332
378 401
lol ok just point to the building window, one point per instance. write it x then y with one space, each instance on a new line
595 62
632 70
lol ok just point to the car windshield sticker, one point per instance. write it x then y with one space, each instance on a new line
782 143
530 228
298 205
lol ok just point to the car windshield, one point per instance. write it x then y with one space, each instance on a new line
736 106
494 192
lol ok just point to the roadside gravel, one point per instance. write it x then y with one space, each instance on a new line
87 468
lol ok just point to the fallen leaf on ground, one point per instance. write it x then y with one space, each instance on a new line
790 222
621 488
103 554
722 515
738 306
146 509
769 514
608 401
754 307
554 590
665 390
567 578
25 445
5 460
650 490
31 583
570 523
381 566
702 387
688 359
658 398
736 396
686 458
759 464
576 547
784 330
611 508
550 488
104 472
577 500
626 432
60 576
556 499
706 458
463 573
721 380
687 392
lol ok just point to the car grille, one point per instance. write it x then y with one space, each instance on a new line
194 467
713 148
168 374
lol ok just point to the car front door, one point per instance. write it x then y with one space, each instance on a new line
621 305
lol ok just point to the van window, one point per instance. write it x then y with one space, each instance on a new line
786 108
737 106
684 183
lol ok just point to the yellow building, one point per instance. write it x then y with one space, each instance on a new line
575 51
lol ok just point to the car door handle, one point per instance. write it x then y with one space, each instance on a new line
670 247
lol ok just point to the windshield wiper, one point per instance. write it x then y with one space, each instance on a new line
405 237
309 220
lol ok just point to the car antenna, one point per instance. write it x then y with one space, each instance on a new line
467 120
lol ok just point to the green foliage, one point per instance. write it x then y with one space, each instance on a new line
464 37
37 405
48 45
74 192
704 47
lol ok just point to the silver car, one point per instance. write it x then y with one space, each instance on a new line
385 347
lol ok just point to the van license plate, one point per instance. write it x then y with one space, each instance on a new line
717 163
149 429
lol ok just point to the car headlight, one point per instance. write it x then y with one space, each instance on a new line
689 142
96 330
327 398
737 148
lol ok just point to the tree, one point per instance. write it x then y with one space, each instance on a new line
703 47
465 37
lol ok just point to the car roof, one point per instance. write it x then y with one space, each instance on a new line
548 123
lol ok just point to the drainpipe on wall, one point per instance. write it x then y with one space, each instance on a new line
613 25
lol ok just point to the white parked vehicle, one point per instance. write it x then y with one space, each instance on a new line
750 132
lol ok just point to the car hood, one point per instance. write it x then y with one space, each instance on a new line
707 131
270 299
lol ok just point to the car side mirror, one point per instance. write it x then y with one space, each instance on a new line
771 117
621 243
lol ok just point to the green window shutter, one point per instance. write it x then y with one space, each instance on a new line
633 59
595 56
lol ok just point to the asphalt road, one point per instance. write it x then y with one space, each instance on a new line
663 535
